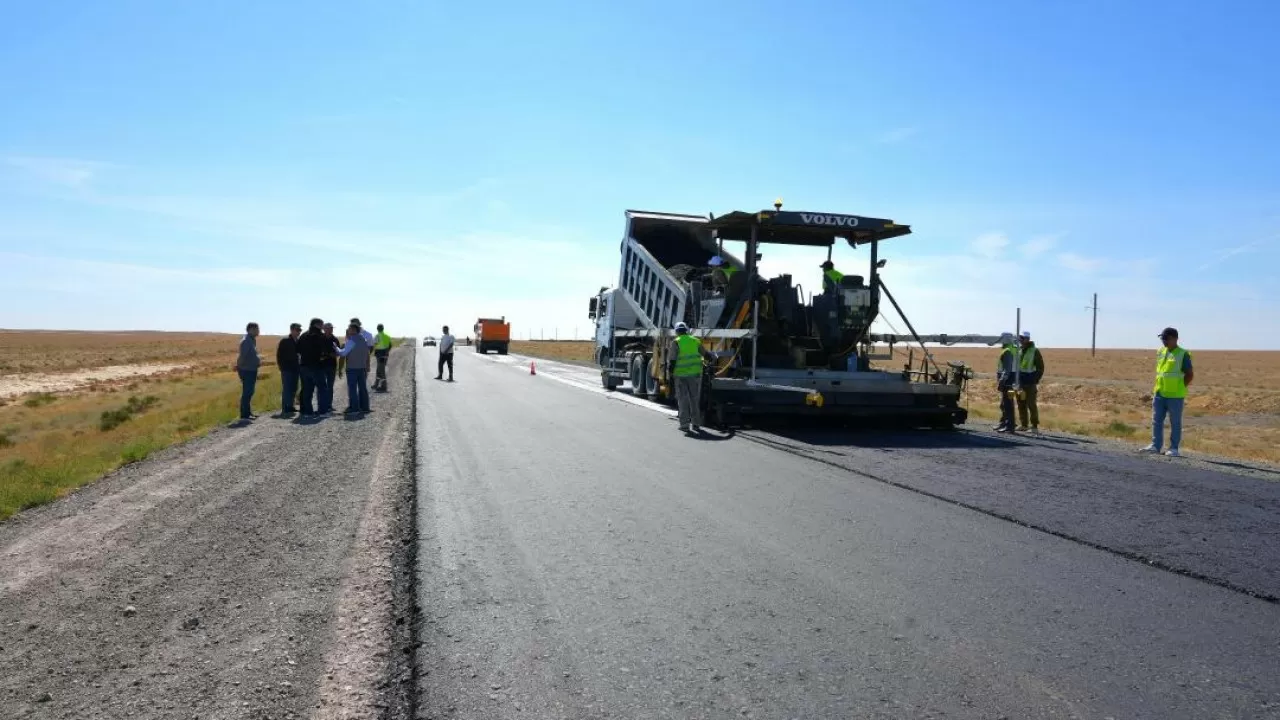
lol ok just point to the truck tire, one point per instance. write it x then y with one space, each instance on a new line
502 349
609 382
639 377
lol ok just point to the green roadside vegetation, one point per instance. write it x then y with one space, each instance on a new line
51 445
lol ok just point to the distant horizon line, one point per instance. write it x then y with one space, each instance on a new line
548 340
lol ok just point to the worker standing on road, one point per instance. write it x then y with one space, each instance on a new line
381 350
831 277
357 352
1173 376
247 364
1031 370
685 366
1006 366
328 369
445 351
287 361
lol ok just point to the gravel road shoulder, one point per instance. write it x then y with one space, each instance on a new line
259 572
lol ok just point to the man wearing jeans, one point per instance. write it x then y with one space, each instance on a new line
329 368
311 349
287 361
1173 375
445 352
356 352
247 364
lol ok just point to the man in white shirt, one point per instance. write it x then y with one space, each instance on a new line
446 354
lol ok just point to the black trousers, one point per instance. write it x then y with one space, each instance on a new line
445 359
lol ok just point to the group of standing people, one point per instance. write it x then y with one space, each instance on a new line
313 360
1020 368
1018 373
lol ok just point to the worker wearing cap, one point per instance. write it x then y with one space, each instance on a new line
1030 370
381 350
1006 365
685 366
1173 375
831 277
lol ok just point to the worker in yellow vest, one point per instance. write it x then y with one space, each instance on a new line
721 272
381 351
831 277
685 366
1173 375
1006 367
1030 370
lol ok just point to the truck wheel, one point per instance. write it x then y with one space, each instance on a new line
502 350
608 381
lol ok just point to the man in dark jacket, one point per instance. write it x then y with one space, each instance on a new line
1032 369
287 361
328 368
311 352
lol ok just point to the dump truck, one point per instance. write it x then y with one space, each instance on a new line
777 351
493 334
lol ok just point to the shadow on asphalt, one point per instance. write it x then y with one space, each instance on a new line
877 436
309 419
706 436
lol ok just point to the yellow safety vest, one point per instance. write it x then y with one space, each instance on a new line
832 277
728 271
1029 359
688 356
1008 350
383 342
1171 382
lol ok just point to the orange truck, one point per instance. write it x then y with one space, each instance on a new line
493 334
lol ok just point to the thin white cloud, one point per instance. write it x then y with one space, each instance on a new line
102 273
897 135
990 245
1080 263
67 172
1229 253
1039 245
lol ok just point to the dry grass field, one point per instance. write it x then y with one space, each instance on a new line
54 442
1233 409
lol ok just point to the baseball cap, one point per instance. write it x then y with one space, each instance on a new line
1026 334
1168 332
714 261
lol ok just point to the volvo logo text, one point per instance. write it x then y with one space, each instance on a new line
836 220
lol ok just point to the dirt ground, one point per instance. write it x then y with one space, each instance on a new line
59 351
230 577
30 383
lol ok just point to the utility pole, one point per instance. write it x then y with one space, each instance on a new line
1093 344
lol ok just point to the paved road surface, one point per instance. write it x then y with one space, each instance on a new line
249 574
579 558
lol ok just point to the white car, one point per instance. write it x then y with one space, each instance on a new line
428 342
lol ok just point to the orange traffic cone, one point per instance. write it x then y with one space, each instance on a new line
533 370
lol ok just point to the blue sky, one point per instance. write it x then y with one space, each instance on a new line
194 165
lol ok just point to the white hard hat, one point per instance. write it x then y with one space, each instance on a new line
1026 334
715 261
681 326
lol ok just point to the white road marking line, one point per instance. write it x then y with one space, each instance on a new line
517 363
